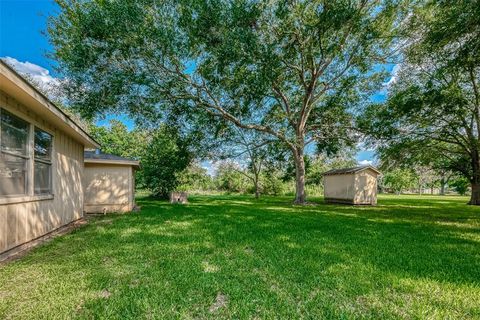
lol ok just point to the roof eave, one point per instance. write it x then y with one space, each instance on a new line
333 172
132 163
21 90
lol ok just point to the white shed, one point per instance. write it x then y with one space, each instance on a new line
356 185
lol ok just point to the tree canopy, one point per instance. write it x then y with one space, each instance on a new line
432 115
294 70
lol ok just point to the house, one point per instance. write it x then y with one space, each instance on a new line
109 183
356 185
41 163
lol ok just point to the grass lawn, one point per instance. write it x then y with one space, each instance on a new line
234 257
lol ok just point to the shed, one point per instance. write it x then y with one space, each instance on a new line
357 185
109 183
41 164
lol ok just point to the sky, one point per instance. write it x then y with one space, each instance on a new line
24 44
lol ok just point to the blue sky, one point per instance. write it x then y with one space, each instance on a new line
22 24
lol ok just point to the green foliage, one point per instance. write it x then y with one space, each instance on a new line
231 178
431 116
117 139
460 185
398 180
166 156
195 178
292 70
272 183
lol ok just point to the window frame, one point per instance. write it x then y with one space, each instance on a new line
43 161
29 194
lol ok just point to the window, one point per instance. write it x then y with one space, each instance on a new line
25 158
43 162
14 134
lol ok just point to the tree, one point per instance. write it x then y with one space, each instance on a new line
460 185
398 180
248 148
166 156
195 178
117 139
291 69
230 177
434 107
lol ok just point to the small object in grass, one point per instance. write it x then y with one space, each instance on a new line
105 294
220 302
178 197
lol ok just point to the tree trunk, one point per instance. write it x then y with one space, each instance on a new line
475 197
443 183
300 196
257 187
475 182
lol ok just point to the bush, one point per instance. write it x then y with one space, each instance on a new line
460 185
165 158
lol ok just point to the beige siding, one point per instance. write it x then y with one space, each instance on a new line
354 188
339 186
366 187
108 188
31 218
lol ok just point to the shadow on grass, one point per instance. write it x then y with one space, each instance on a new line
265 249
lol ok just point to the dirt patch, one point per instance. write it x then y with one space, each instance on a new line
105 294
221 301
105 221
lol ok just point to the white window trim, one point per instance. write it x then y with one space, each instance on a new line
30 195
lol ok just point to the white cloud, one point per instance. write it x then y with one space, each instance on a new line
365 162
38 74
394 73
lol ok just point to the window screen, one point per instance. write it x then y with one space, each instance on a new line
12 175
42 179
13 154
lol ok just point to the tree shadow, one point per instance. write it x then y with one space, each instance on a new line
267 248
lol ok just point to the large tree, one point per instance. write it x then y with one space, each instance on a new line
290 69
432 115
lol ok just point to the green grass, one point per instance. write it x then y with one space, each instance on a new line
234 257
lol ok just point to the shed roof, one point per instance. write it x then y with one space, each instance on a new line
106 158
12 83
350 170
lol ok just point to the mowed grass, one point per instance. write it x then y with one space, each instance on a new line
235 257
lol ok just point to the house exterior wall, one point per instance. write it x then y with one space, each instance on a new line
366 187
108 188
25 218
340 187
